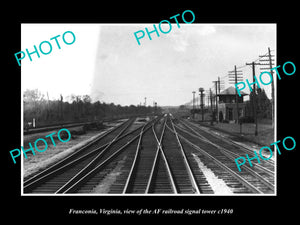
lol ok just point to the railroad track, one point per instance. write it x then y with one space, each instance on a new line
232 149
151 162
127 154
53 178
150 165
164 168
160 180
180 168
227 143
140 170
159 157
219 157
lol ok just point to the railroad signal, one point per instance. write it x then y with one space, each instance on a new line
201 104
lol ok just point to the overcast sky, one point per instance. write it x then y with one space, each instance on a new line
65 71
106 62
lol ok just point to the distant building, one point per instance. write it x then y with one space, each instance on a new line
227 105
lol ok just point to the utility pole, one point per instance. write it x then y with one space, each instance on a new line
216 87
193 104
145 103
271 64
201 104
236 97
219 85
211 106
236 76
253 64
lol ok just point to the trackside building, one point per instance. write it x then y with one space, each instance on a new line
227 107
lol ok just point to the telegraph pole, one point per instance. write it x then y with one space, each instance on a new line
253 64
219 85
216 86
211 106
208 101
236 97
238 77
271 64
193 104
201 104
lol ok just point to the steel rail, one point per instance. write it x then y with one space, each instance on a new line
78 151
237 176
187 164
91 163
129 179
244 148
65 164
68 161
90 171
229 155
40 179
133 167
262 179
262 168
202 138
159 150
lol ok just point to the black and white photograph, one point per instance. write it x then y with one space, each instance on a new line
110 111
150 112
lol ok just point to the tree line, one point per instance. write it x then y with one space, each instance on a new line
263 106
79 108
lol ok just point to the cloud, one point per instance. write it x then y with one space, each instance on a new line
103 56
110 58
182 37
204 30
180 44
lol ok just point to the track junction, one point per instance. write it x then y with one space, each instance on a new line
159 157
